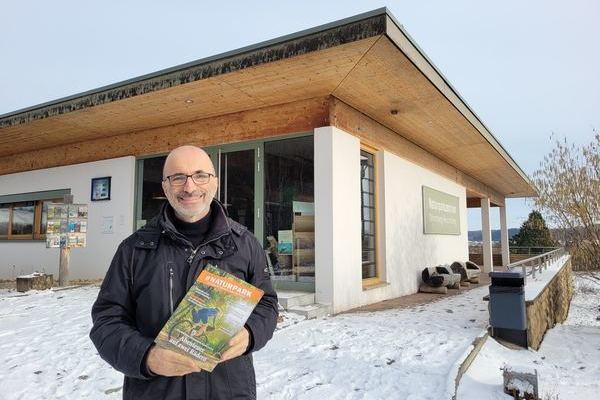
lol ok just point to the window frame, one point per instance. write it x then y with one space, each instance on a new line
377 279
36 234
12 213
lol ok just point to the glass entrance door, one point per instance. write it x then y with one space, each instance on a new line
240 183
236 185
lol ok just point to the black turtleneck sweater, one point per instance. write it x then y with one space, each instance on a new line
195 232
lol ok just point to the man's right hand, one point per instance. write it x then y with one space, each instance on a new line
168 363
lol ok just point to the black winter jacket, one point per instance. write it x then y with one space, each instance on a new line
149 275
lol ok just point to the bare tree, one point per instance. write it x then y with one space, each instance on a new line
568 185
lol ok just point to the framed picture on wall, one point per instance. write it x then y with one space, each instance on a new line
101 188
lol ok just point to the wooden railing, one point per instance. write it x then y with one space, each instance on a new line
534 264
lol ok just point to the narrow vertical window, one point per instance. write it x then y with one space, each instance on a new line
368 215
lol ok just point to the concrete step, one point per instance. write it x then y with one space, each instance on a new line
311 311
289 299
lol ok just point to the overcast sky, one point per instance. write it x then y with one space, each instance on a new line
527 68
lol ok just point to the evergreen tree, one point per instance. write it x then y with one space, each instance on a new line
533 232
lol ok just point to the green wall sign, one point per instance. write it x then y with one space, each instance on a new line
441 213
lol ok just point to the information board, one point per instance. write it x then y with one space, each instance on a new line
66 225
441 213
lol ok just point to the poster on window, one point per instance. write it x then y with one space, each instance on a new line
66 225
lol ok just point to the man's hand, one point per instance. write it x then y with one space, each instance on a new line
237 345
168 363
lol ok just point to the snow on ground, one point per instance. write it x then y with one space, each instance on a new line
394 354
585 306
45 352
567 362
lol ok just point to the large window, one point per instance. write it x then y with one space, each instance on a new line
289 209
268 186
368 215
24 220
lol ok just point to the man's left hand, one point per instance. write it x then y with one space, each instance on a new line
237 345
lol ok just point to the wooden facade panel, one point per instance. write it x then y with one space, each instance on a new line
271 121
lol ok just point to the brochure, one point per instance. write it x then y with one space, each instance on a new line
285 243
212 312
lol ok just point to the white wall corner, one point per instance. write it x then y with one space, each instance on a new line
323 159
337 219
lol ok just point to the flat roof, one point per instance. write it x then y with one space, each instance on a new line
359 34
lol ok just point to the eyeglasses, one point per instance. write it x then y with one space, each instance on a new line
199 178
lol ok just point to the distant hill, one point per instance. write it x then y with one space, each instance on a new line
475 236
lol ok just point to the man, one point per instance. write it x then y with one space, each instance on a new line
150 274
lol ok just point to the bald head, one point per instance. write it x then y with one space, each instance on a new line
188 155
191 201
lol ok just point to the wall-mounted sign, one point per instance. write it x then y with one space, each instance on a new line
66 225
441 213
101 188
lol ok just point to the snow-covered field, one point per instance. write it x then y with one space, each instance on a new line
407 353
568 362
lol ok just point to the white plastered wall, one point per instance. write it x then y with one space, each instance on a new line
404 250
18 258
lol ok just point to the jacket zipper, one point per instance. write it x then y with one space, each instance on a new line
190 259
171 288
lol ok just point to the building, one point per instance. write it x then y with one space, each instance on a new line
342 145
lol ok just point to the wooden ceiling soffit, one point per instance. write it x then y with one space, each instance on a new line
367 61
405 43
164 108
378 136
300 116
307 76
388 86
311 75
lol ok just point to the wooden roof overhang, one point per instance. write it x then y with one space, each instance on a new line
367 61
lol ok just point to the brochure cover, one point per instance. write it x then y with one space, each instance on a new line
212 312
285 243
